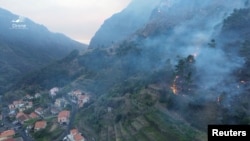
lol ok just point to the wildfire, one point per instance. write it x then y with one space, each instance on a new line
174 89
174 86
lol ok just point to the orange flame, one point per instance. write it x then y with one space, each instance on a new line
174 87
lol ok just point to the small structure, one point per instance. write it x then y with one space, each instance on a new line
82 99
33 115
78 137
39 111
76 93
63 117
60 102
54 110
22 117
7 134
40 125
74 136
53 91
29 105
12 113
29 97
11 107
37 95
79 97
18 103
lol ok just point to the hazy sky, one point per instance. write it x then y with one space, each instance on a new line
78 19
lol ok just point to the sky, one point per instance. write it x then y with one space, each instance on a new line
78 19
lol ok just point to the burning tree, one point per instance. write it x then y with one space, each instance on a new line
184 70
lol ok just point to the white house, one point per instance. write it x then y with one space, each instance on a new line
53 91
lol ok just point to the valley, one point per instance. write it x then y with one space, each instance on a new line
160 74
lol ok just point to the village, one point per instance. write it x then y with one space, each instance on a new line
43 116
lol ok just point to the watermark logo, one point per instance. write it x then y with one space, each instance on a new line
19 23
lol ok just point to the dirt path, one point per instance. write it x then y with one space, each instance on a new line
54 126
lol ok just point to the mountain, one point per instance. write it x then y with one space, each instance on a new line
26 46
122 24
184 67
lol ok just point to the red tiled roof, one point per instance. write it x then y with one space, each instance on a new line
64 113
78 137
23 118
19 114
7 133
33 115
40 124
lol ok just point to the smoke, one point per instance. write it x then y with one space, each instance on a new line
176 29
189 28
215 67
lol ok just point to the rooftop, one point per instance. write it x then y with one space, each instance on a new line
40 124
7 133
64 113
33 115
78 137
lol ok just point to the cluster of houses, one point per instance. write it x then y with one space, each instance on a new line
79 97
23 104
18 107
57 109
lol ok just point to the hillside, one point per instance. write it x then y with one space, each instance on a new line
167 80
26 46
113 30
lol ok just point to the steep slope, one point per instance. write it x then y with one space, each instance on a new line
122 24
25 46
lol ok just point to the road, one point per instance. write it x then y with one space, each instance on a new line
73 112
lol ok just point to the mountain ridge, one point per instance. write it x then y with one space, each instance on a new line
26 46
135 14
